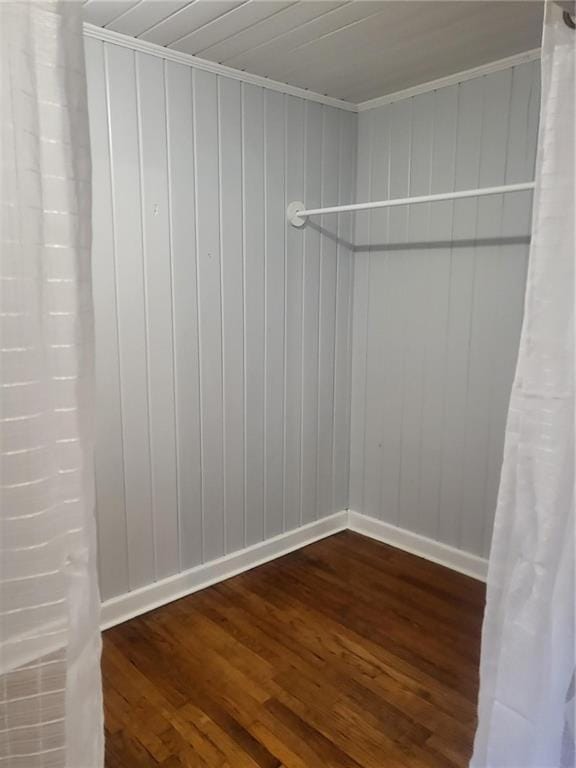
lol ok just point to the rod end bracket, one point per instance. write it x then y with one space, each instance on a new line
293 214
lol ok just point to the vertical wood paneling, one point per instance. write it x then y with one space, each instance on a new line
416 263
254 300
327 311
361 277
310 315
185 311
343 324
467 174
275 217
396 303
126 191
205 96
230 127
438 305
295 158
159 320
378 302
218 324
522 139
487 259
226 341
112 544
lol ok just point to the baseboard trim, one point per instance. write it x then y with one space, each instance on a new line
139 601
456 559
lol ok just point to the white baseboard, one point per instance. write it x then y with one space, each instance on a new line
124 607
139 601
456 559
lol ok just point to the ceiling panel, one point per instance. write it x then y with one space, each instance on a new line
101 12
350 50
144 15
269 29
193 16
228 25
277 55
442 38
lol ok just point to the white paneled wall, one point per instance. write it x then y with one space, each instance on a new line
223 344
438 298
253 377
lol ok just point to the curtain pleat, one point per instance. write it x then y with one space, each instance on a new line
50 691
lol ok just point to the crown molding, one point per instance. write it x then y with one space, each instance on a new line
457 77
143 46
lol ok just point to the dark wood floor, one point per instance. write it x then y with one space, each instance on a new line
345 654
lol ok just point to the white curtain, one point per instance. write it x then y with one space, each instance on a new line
526 707
50 695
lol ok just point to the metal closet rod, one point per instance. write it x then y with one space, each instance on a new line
297 213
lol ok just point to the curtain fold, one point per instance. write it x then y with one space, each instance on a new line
50 691
526 704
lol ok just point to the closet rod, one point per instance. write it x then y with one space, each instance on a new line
297 213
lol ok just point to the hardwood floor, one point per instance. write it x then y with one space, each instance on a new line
345 654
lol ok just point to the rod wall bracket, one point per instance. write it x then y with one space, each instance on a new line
293 212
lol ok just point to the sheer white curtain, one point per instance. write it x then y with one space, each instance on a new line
526 714
50 696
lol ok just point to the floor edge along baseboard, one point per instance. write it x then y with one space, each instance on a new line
123 607
443 554
139 601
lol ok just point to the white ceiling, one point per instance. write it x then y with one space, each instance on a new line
355 50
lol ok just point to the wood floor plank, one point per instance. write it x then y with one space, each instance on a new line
417 644
346 654
319 637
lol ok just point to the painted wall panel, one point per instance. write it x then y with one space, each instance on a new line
327 313
205 106
108 428
484 309
467 174
182 204
275 260
159 319
230 130
361 282
131 298
516 220
295 161
310 313
393 343
415 261
438 299
254 301
343 324
438 256
377 306
211 343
